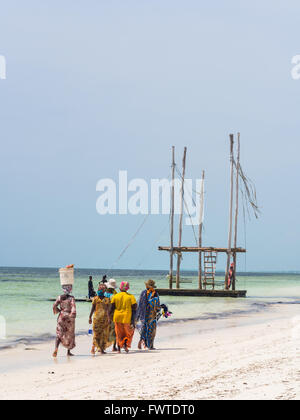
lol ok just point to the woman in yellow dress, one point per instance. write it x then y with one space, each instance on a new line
101 321
124 307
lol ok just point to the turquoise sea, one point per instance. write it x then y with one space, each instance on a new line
27 311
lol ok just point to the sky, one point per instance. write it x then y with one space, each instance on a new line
96 87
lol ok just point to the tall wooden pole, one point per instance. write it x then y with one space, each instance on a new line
236 210
200 230
180 220
172 220
230 212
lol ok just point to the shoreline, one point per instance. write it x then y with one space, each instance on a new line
200 359
255 307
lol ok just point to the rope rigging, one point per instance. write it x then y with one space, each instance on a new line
186 207
249 190
154 243
133 237
130 242
249 202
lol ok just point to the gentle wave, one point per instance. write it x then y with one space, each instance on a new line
255 307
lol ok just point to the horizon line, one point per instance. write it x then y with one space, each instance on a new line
154 270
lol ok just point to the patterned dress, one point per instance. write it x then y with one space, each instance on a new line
101 325
112 333
149 307
65 331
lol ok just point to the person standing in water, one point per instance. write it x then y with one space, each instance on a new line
104 279
92 293
124 307
65 306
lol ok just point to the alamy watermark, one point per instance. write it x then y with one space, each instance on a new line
2 67
2 328
138 196
295 72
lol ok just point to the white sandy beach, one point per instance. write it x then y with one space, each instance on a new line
253 357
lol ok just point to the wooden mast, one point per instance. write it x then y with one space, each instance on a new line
230 213
172 220
236 210
180 220
200 231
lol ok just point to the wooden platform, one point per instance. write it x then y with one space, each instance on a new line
204 293
179 249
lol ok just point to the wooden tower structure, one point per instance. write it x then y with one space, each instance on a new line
207 256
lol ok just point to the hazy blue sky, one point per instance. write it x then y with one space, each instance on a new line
97 86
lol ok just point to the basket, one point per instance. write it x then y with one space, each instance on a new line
66 276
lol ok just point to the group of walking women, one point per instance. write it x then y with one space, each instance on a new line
114 316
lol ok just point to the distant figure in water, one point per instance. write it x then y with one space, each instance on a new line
104 279
230 275
147 313
65 306
92 292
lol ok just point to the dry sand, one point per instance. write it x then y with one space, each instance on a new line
253 357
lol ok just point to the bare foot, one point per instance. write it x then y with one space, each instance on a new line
114 349
54 354
93 350
126 349
103 352
140 345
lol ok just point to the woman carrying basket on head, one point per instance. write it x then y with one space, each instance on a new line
65 306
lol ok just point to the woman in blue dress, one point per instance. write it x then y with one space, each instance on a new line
147 313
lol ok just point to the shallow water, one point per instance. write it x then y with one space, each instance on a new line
25 294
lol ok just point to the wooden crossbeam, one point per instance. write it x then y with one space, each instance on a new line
197 249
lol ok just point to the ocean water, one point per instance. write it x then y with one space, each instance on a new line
27 311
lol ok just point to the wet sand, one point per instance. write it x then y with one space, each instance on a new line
242 357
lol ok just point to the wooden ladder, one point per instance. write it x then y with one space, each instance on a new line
210 261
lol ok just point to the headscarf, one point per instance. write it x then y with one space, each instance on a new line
67 289
151 290
124 286
150 286
101 290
